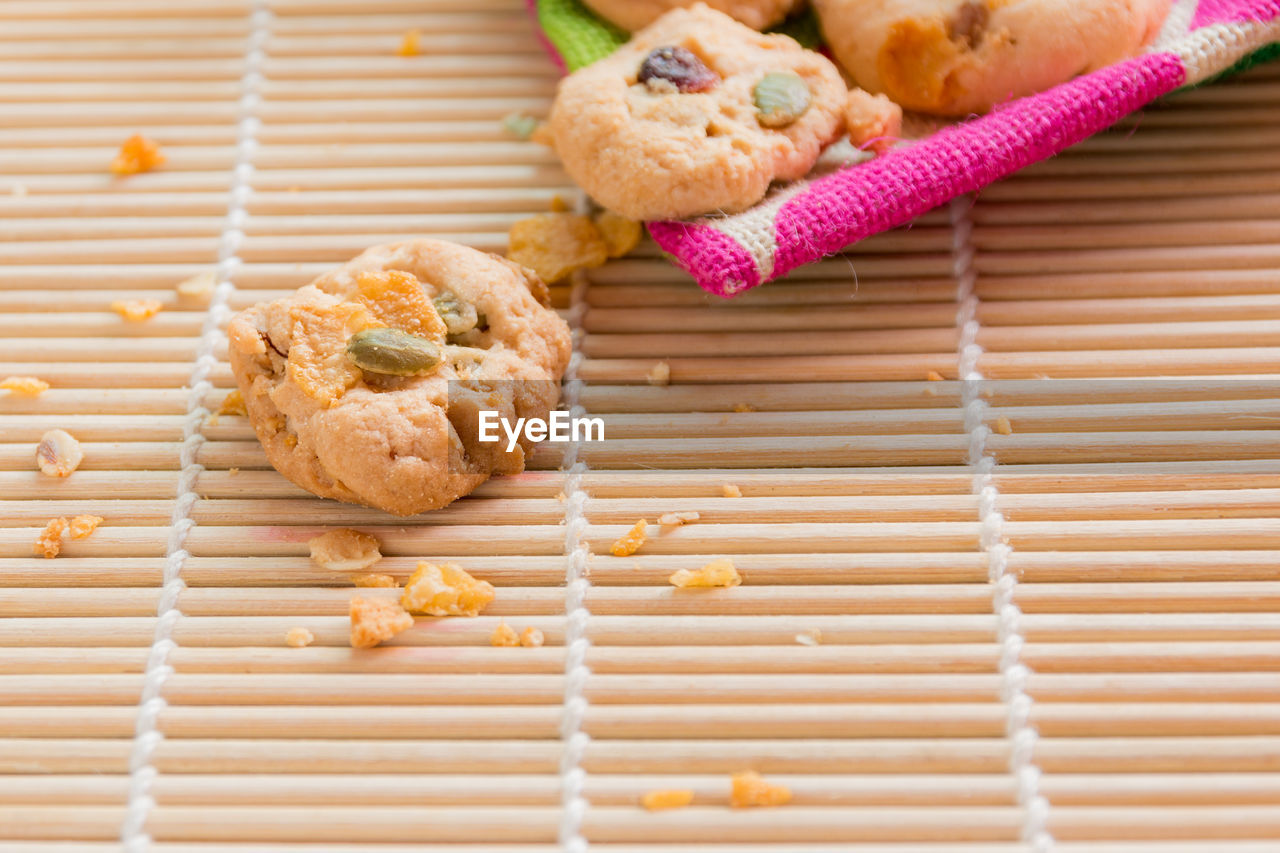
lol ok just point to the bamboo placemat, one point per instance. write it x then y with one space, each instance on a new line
949 638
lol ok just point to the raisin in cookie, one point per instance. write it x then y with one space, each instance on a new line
953 57
347 382
696 114
631 15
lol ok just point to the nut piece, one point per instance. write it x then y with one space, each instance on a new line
531 638
620 234
82 525
677 67
137 310
719 572
445 590
519 125
459 317
781 97
344 550
58 453
410 43
137 154
392 352
676 519
504 635
299 638
630 541
376 581
28 386
233 404
49 542
197 291
554 245
375 621
729 490
673 798
749 789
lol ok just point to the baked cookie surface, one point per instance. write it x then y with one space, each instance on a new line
675 124
348 381
632 15
954 57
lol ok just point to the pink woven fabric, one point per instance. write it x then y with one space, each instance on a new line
1227 11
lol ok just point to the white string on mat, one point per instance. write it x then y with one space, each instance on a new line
147 736
1013 672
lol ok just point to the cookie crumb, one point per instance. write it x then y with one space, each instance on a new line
231 472
197 291
49 543
82 525
675 519
620 234
410 43
504 636
543 136
554 245
717 573
742 408
137 154
933 376
558 204
377 581
1003 426
233 404
811 637
874 122
299 638
58 453
519 125
344 550
630 541
750 789
561 497
137 310
671 798
659 374
445 590
28 386
531 638
375 621
729 490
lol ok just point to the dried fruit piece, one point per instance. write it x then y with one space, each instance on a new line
504 635
556 244
519 125
82 525
630 541
750 789
137 310
459 317
28 386
620 234
374 581
445 590
58 453
197 291
673 798
49 542
344 550
719 572
392 352
233 404
781 97
137 154
531 638
410 43
969 23
299 638
375 621
676 519
729 490
678 67
659 374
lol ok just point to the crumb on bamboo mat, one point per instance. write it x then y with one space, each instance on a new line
668 798
49 543
659 374
445 590
558 204
344 550
630 541
812 637
531 638
197 291
137 154
1003 426
375 581
504 636
375 621
554 245
28 386
521 126
231 472
729 490
410 43
718 573
743 408
83 525
677 519
137 310
542 136
933 376
58 453
749 789
299 638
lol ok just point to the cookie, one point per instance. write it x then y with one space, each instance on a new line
348 381
954 57
696 114
632 15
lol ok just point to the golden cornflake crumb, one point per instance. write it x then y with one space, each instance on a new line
749 789
410 43
445 590
933 376
630 541
554 245
719 572
137 154
26 385
344 550
82 525
558 204
375 621
137 310
729 490
504 635
741 408
673 798
809 638
675 519
378 581
58 453
531 638
197 291
49 542
1003 426
231 472
620 234
299 638
561 497
233 404
519 125
659 374
543 136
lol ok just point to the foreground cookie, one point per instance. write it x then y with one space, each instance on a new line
953 57
633 14
347 382
696 114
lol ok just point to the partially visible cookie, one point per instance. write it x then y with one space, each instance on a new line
696 114
347 382
954 57
631 15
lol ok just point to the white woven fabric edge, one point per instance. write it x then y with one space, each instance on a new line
147 737
1013 672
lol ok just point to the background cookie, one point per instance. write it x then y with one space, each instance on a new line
631 15
399 443
953 57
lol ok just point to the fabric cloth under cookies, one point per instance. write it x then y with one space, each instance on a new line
403 444
954 57
634 14
649 154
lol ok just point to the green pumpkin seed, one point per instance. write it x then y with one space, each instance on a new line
459 317
392 352
781 97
